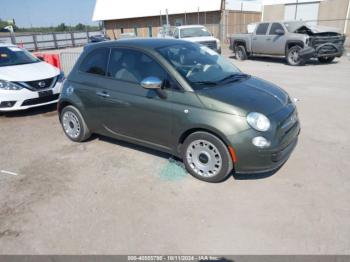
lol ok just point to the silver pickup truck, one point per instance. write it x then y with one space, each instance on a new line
297 41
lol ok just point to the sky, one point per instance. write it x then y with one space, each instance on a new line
35 13
29 13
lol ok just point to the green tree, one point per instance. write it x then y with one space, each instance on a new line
62 27
80 27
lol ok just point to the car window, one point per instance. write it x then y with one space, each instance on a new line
96 62
262 29
194 32
199 65
133 66
274 27
12 55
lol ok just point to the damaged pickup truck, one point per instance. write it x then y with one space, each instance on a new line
297 41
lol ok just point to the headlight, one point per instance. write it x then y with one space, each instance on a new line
258 121
218 44
61 77
5 85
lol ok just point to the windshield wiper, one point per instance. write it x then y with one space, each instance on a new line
234 77
210 83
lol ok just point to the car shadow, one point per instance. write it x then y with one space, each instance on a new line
281 60
47 110
171 157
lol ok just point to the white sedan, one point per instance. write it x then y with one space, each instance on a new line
26 81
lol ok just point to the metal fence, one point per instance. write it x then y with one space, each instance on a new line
68 60
42 41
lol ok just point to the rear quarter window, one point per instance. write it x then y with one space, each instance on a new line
95 62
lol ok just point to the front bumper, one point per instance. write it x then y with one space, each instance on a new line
252 160
325 50
16 100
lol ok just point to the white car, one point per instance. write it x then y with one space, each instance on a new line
198 34
26 81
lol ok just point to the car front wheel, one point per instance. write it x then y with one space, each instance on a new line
206 157
293 57
74 125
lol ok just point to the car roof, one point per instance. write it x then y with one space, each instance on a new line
146 43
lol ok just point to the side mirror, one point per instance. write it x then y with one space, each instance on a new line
151 82
279 32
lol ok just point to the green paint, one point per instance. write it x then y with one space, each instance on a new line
173 171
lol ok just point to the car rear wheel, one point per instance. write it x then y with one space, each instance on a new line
206 157
241 53
74 125
326 59
293 57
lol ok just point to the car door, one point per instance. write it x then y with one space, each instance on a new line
276 41
129 110
259 39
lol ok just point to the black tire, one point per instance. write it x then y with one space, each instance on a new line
326 59
71 119
202 150
241 53
293 57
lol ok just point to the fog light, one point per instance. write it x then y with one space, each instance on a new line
261 142
5 104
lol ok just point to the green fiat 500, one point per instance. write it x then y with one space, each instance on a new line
181 98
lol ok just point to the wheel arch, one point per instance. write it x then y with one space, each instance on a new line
291 43
238 42
209 130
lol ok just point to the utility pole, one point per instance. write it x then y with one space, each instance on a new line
198 14
296 10
167 16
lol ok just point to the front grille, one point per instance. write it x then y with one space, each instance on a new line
41 84
40 100
327 44
320 40
210 44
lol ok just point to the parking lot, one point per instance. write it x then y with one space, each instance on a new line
110 197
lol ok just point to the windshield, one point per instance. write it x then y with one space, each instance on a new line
293 26
10 56
194 32
199 65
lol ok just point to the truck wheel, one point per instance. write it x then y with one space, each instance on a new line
326 59
241 53
293 57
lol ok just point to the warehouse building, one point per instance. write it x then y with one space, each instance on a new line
334 13
146 18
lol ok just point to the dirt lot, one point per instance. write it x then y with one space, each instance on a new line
108 197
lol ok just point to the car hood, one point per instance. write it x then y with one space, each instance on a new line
28 72
199 39
240 98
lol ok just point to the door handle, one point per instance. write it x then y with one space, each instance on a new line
268 39
255 38
102 94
